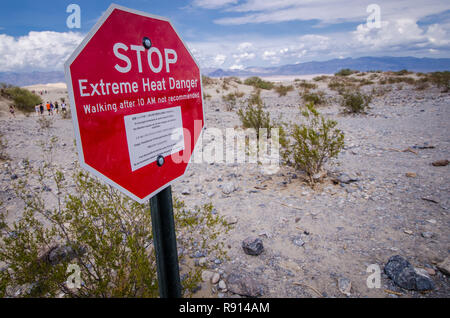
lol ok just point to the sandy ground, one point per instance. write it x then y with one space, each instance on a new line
344 227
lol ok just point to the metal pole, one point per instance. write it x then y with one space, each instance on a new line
165 242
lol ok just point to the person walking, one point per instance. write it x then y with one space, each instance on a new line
63 107
48 108
12 110
36 109
41 108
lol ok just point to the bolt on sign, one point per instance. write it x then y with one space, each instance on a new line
137 103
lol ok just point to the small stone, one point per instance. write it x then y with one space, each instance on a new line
230 219
228 188
244 285
202 261
427 234
222 285
444 266
14 176
346 178
252 246
215 278
344 285
207 276
411 174
440 163
185 192
298 241
430 271
409 232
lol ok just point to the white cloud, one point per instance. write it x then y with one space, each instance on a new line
237 67
213 4
327 11
37 51
220 59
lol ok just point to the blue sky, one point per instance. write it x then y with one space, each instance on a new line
239 33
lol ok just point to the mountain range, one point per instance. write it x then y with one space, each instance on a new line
386 63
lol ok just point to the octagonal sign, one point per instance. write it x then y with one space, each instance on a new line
136 102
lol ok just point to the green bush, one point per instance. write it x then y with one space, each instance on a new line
441 79
320 78
253 116
306 85
207 80
355 101
340 85
283 90
345 72
230 101
315 142
3 146
23 99
107 235
317 98
258 83
402 72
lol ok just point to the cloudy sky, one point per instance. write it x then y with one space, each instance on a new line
235 34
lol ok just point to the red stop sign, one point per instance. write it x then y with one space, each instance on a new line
136 97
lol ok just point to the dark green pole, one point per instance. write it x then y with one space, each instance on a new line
165 242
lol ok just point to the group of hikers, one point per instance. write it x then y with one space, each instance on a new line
51 108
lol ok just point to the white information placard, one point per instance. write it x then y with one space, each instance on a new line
153 133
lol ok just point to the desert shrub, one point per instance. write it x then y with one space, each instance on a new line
66 115
340 85
317 98
230 101
306 85
365 81
320 78
345 72
402 72
441 79
401 79
254 116
231 79
3 146
380 90
283 90
315 142
207 80
255 98
45 123
239 94
258 83
23 99
105 234
355 101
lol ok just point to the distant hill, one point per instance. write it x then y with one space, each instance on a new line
32 78
386 63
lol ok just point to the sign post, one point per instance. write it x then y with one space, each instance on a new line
137 108
165 243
